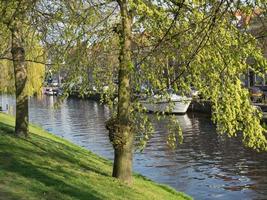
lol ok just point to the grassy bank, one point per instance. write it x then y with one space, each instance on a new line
44 166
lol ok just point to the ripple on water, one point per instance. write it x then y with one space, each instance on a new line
206 166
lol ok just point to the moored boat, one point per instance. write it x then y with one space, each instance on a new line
173 104
51 91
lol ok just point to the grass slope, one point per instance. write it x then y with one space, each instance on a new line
44 166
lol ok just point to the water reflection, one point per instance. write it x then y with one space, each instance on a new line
206 165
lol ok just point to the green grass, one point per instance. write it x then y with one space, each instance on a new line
44 166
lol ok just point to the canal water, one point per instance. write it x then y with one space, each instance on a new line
206 166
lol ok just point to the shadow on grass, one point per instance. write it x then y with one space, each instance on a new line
7 129
29 171
13 155
60 151
56 150
7 196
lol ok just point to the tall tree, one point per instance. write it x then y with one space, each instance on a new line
20 71
201 42
123 135
15 18
207 52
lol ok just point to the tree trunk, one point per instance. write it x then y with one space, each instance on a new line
122 167
20 72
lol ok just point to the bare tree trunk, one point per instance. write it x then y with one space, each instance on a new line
20 72
123 143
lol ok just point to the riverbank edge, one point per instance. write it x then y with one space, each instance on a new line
45 166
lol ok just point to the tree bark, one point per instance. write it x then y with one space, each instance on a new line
20 72
122 167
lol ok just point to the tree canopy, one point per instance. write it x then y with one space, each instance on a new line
132 47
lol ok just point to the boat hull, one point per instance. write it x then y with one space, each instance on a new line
51 91
174 107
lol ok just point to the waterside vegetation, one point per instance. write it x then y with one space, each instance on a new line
43 166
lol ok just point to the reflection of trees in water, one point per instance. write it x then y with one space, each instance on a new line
230 151
216 156
80 121
87 113
75 115
204 155
8 104
242 167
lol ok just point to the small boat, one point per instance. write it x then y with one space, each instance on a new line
173 104
51 91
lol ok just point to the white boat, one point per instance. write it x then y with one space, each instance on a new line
51 91
174 104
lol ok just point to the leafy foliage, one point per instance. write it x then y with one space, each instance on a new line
13 12
177 44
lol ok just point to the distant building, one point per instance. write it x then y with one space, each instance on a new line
256 24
